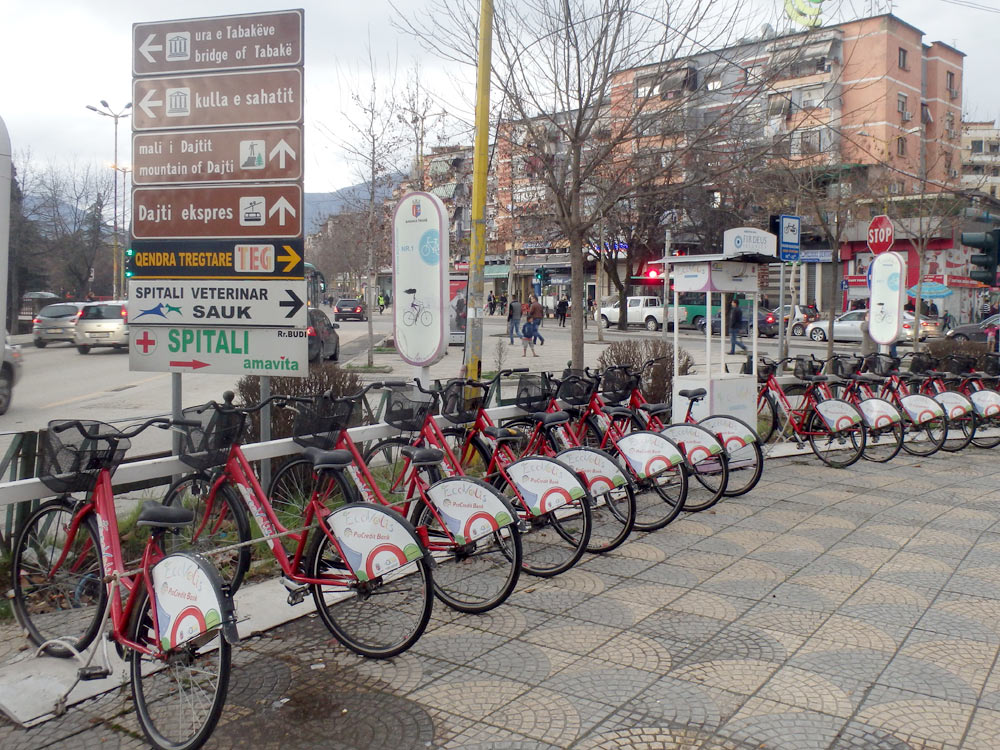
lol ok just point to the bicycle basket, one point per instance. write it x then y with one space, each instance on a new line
576 390
407 408
881 364
991 364
318 423
533 391
921 362
208 444
617 385
460 402
844 367
806 366
71 462
960 364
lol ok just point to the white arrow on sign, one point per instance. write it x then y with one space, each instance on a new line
148 102
281 148
146 47
281 205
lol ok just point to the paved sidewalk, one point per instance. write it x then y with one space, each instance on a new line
827 609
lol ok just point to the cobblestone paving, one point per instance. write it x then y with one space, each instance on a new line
846 610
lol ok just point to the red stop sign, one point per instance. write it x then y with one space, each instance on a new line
880 234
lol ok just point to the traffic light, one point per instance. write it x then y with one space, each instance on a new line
989 243
539 275
546 277
129 263
652 273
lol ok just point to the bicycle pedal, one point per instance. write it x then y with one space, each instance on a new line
85 674
297 597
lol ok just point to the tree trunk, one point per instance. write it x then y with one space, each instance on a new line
918 302
834 288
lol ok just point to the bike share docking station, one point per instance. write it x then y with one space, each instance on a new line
734 271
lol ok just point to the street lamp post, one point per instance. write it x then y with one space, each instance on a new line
116 116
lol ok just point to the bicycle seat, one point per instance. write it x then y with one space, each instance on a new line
321 459
164 516
868 377
917 376
422 456
549 419
617 411
815 378
695 394
503 433
654 409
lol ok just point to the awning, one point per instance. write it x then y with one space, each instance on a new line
496 271
798 54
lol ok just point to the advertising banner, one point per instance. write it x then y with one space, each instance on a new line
887 273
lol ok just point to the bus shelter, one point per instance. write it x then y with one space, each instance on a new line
733 272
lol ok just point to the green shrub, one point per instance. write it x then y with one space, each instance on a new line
657 382
321 378
941 348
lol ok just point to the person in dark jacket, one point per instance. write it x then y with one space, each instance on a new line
735 327
561 307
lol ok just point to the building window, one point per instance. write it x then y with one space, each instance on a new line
996 171
902 59
949 81
901 103
995 148
977 147
900 146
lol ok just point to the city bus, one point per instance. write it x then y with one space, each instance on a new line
694 304
315 284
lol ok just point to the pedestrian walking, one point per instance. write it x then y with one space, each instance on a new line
987 309
503 303
514 319
381 304
535 314
561 308
491 303
735 327
528 332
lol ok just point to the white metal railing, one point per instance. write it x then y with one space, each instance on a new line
157 468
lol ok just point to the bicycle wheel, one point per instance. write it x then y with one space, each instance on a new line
746 465
291 488
472 455
927 438
386 463
426 318
883 443
474 577
379 618
711 479
67 602
661 499
986 441
961 432
838 449
612 519
220 521
552 542
177 701
767 417
409 317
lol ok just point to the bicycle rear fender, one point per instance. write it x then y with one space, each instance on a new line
734 433
955 404
374 540
986 403
837 414
697 442
649 453
191 600
598 471
879 413
545 484
920 408
469 508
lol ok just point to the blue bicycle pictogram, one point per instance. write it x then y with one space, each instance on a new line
430 251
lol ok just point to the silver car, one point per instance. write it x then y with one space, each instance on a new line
847 327
56 323
102 324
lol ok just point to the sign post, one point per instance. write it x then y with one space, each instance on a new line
420 287
790 246
888 290
217 245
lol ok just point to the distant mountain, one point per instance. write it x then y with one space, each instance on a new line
320 205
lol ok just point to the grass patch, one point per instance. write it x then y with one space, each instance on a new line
366 368
384 350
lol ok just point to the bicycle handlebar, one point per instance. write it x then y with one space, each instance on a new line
161 422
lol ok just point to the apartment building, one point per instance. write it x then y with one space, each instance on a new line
981 157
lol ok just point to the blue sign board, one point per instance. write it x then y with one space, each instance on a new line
789 240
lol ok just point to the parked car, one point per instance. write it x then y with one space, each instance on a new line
642 311
102 324
767 324
847 327
797 317
10 373
973 331
349 308
324 341
56 323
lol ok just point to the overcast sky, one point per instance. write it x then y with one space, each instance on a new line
57 56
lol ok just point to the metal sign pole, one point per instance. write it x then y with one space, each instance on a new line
781 312
6 174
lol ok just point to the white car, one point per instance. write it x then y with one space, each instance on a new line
642 311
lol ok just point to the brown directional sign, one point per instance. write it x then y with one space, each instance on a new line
217 212
250 259
253 40
258 97
221 155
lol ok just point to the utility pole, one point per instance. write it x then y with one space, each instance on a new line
597 280
480 164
